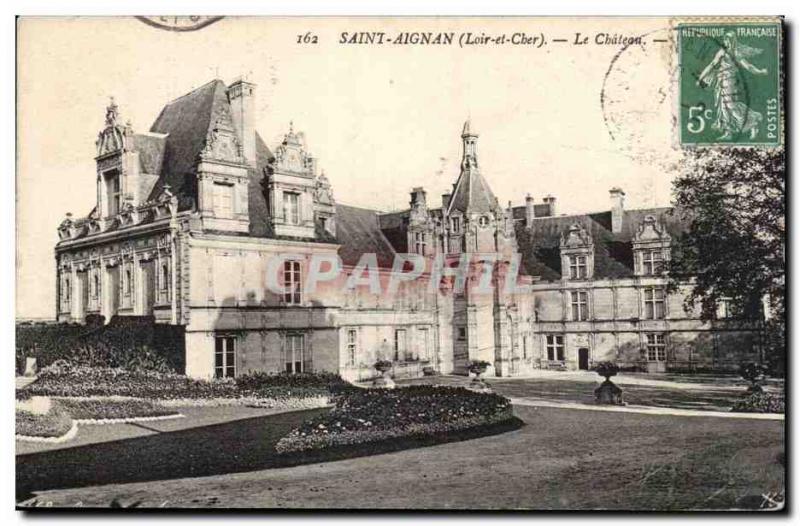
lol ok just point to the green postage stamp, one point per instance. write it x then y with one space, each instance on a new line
729 84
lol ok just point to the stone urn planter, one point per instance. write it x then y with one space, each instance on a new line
384 380
478 367
608 392
754 374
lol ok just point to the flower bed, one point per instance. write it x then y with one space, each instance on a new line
111 409
371 415
68 381
761 403
53 424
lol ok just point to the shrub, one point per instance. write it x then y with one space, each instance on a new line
368 415
131 344
55 423
761 403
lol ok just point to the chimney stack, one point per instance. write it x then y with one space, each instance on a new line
418 197
551 201
445 201
617 208
241 96
529 213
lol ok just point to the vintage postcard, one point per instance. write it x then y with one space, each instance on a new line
401 263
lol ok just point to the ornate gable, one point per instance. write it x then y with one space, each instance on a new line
222 143
114 137
576 237
651 230
292 157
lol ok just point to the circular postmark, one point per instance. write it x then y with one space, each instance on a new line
637 98
179 23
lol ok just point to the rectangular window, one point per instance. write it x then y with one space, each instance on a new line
424 344
652 262
580 307
291 208
67 290
352 346
654 303
223 200
724 306
462 334
456 225
113 190
555 347
399 345
420 243
656 348
524 346
297 359
577 267
224 357
291 283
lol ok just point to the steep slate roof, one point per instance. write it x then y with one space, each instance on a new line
613 253
186 120
471 193
151 151
359 231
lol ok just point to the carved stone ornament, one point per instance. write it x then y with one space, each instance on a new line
222 143
651 230
114 137
576 236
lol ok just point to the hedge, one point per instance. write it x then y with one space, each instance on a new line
372 415
136 343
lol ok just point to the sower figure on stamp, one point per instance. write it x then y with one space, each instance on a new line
730 95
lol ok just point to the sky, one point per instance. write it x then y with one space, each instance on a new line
564 119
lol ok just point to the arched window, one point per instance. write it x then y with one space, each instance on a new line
96 285
127 285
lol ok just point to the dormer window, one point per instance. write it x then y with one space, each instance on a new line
223 200
651 245
456 224
652 262
483 221
577 267
291 208
113 191
420 243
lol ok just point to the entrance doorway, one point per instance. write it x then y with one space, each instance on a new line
583 359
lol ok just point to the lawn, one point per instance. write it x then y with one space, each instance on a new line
562 459
720 399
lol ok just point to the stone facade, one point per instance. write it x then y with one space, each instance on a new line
195 216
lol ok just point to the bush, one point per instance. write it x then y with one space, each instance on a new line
761 403
109 409
130 344
55 423
369 415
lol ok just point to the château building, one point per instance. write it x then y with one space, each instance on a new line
192 215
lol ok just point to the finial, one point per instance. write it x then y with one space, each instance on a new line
291 126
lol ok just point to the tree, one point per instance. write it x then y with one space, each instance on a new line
734 249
